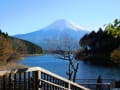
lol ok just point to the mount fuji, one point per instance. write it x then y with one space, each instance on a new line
49 36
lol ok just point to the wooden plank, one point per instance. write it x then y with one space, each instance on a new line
25 86
20 79
29 81
9 82
4 83
14 84
35 78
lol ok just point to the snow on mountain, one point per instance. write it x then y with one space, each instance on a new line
53 33
64 24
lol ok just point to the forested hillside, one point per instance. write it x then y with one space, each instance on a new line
12 48
103 46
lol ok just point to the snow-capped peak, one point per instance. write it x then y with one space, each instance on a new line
64 24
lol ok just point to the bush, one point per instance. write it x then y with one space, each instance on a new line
115 56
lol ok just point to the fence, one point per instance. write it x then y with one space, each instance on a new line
107 84
35 78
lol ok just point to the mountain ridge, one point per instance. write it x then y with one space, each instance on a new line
54 31
58 22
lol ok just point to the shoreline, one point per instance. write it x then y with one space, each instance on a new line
13 63
21 57
25 55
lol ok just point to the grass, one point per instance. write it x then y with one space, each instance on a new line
11 65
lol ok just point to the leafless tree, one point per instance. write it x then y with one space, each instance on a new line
66 47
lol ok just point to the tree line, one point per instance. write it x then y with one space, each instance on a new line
102 46
12 48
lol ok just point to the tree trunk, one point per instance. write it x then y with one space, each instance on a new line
75 72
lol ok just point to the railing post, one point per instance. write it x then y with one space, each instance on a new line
15 80
109 86
20 80
37 78
69 86
28 80
25 79
4 83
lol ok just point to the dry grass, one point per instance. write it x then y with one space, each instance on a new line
11 65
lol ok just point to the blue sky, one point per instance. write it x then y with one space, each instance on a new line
23 16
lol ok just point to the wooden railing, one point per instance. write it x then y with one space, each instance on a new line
107 84
35 78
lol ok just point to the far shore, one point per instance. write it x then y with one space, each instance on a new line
24 55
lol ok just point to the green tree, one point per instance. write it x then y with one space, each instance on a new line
99 45
113 28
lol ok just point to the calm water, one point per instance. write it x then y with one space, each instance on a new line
58 66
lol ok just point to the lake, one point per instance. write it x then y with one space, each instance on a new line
59 66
